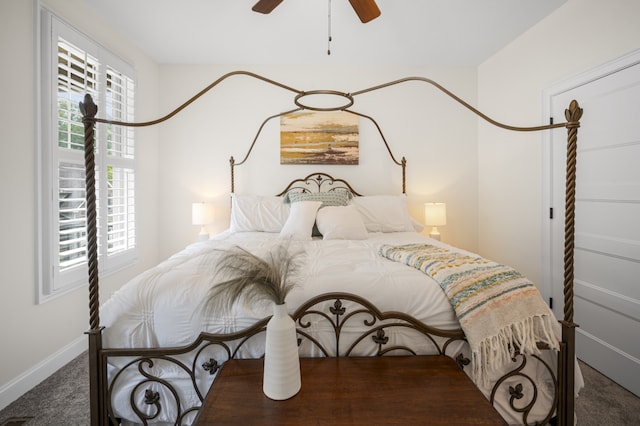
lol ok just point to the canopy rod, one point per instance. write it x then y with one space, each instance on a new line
301 93
462 102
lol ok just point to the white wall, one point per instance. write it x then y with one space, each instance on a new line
435 134
37 339
578 36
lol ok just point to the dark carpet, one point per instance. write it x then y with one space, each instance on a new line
63 399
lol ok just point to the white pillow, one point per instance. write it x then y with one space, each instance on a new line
384 213
258 213
299 224
340 223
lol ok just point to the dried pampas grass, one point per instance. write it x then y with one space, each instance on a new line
250 278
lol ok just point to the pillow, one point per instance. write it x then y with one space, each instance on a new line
330 198
340 223
384 213
258 213
302 216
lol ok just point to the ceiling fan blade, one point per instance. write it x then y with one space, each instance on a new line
367 10
265 6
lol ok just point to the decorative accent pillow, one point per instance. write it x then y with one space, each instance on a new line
331 198
258 213
301 218
384 213
340 223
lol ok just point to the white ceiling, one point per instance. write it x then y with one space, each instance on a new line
408 32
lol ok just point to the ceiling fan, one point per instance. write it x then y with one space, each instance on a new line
367 10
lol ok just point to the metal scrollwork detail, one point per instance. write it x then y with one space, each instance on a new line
377 335
462 360
151 397
380 337
337 308
516 392
524 389
211 366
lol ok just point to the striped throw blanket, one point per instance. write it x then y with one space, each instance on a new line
498 308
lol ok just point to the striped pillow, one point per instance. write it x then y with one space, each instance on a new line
331 198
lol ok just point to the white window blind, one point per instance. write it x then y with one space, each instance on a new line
121 210
72 66
120 176
72 245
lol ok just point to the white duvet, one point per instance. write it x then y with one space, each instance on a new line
161 307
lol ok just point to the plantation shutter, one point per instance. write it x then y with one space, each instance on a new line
77 75
120 173
72 66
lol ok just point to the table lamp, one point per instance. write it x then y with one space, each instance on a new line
202 215
435 214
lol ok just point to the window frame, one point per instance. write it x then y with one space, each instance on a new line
51 281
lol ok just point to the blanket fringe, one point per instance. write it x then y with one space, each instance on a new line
496 351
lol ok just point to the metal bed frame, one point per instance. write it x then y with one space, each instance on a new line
100 388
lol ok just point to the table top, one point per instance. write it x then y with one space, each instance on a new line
352 390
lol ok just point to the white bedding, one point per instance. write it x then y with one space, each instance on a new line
161 307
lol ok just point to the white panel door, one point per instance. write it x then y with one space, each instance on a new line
607 242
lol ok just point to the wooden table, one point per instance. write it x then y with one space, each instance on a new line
405 390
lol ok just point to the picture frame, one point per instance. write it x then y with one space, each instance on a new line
319 137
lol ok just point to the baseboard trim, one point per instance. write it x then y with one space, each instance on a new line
621 367
32 377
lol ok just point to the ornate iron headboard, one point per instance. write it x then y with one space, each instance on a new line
319 182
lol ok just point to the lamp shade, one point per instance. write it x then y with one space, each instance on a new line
435 214
201 213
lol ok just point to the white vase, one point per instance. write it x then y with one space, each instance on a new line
281 362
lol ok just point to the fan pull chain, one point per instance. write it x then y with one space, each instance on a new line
329 29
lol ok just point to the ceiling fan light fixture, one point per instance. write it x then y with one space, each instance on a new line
265 6
367 10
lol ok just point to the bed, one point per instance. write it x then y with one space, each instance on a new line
154 353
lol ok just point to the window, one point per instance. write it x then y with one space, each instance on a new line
71 66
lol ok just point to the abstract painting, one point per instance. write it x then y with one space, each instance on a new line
312 137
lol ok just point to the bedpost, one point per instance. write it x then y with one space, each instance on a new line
404 175
232 163
566 357
89 111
